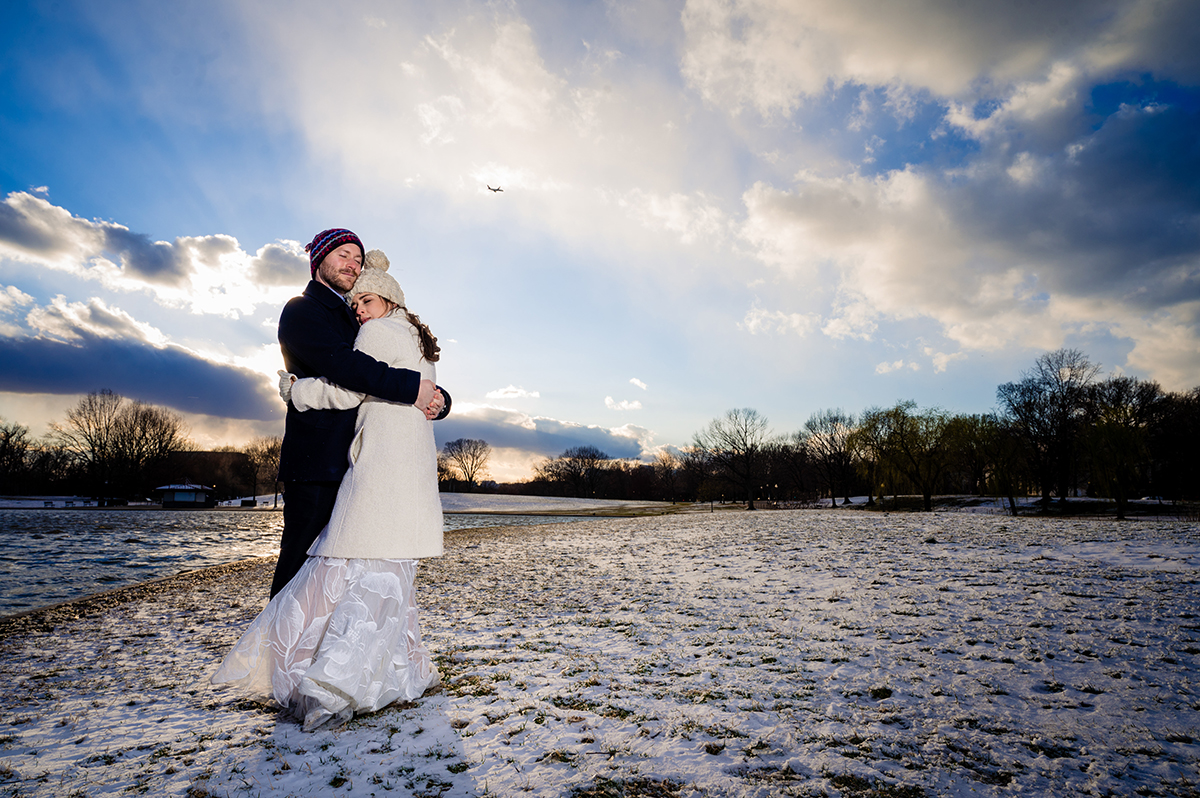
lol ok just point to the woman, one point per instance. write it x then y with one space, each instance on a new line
343 636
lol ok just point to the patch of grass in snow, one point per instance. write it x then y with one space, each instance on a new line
633 788
471 685
558 755
854 786
574 702
767 774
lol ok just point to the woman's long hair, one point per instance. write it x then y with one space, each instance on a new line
429 345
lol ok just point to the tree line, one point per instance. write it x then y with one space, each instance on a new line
1059 431
117 449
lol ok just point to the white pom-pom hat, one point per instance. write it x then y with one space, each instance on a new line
374 279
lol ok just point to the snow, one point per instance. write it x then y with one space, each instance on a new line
806 652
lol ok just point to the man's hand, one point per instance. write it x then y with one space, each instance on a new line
285 385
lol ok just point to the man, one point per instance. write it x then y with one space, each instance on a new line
316 333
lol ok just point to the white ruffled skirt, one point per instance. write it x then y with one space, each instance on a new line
342 638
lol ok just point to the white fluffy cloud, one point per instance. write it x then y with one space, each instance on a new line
624 404
205 274
512 392
68 322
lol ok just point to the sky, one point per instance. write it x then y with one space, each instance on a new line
779 205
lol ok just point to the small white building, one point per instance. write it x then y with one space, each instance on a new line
186 495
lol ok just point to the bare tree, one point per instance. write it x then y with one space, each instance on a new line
51 466
88 433
667 468
696 472
117 440
1174 440
829 444
445 472
264 458
142 437
469 457
577 470
1046 409
791 465
736 446
918 445
1121 411
869 448
14 452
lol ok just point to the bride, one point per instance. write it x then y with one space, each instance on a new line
343 636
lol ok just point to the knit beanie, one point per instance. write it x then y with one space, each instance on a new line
327 241
374 279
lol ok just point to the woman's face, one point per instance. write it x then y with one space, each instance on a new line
369 306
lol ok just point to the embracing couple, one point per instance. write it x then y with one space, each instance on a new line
341 635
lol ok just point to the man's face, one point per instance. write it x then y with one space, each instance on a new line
340 268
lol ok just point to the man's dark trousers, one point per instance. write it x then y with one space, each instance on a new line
307 507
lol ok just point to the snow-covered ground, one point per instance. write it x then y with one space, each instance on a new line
804 653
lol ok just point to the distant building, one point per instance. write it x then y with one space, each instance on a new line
186 495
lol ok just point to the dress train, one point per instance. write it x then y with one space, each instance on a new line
342 638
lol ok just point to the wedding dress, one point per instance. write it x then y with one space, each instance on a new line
341 638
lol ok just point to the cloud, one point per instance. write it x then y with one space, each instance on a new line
69 348
638 383
167 375
12 298
512 392
764 322
206 274
72 322
942 360
537 435
887 368
772 55
481 98
279 264
693 218
622 405
1017 249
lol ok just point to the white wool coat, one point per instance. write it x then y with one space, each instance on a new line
388 505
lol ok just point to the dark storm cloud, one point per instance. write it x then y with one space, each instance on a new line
548 438
164 376
1116 215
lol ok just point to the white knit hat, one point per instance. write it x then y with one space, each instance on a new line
374 279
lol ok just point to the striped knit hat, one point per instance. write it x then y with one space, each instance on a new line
327 241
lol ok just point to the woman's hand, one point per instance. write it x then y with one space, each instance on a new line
435 405
425 396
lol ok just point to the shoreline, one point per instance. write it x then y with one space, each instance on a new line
95 603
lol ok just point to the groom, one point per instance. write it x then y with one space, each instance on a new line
316 333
